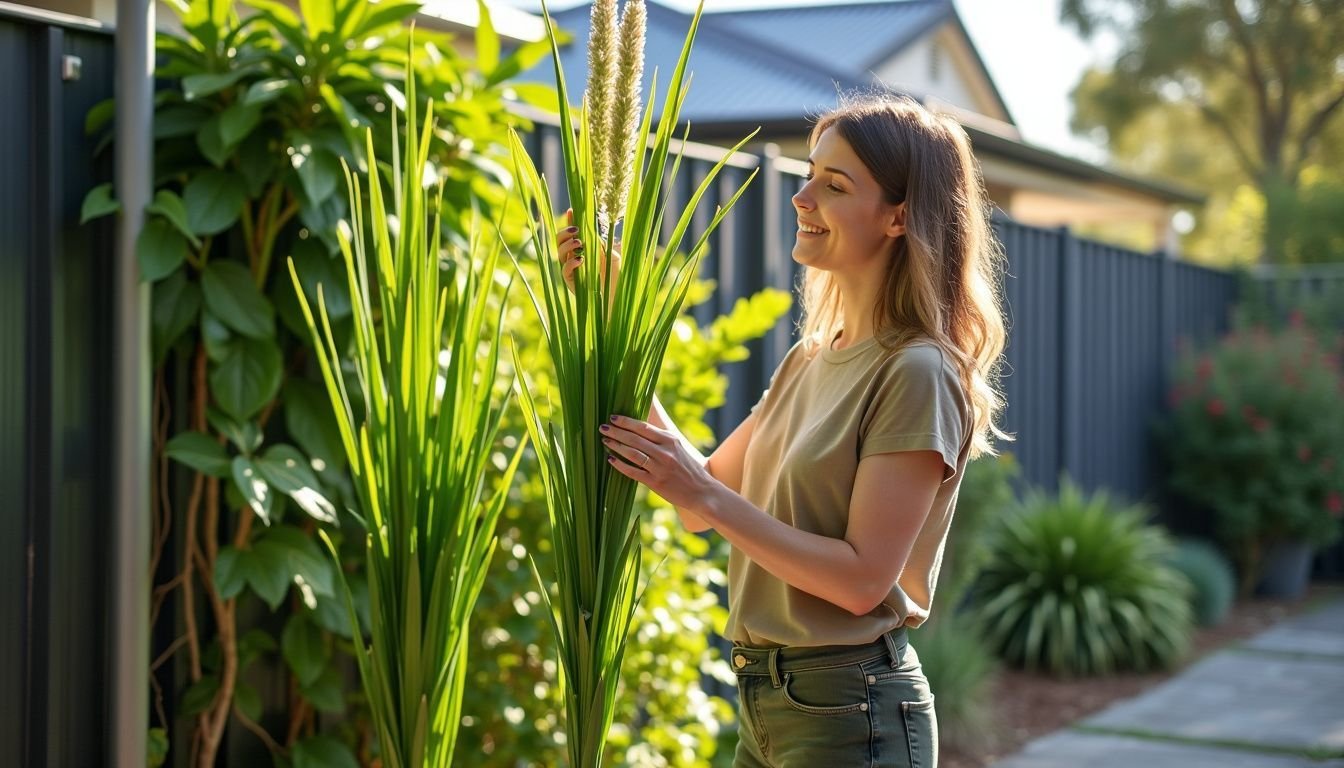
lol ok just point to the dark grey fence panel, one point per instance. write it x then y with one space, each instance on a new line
1032 360
16 211
1119 370
55 344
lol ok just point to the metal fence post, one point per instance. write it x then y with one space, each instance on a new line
130 584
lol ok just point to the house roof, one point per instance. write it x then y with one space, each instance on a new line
748 64
730 81
748 72
849 39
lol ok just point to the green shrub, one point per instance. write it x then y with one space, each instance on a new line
1256 436
1213 584
1078 585
986 494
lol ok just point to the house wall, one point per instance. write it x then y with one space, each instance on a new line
942 64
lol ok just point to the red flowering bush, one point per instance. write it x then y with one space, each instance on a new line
1255 433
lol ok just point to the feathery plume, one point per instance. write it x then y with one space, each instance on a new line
601 96
626 111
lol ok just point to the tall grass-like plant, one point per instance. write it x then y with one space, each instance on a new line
606 340
419 433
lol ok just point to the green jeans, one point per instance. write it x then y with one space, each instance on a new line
866 706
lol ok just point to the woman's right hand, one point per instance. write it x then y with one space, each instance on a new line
570 251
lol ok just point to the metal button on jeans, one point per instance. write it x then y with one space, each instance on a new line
739 661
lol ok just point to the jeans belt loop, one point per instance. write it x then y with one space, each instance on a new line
772 660
892 650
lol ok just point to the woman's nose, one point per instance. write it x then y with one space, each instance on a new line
801 201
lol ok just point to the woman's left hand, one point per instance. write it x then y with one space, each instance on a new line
654 457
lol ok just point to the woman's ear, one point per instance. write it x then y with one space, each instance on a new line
896 221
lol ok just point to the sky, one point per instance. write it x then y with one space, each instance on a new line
1034 60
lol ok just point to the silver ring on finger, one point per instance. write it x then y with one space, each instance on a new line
645 462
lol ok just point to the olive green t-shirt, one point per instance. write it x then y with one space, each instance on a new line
826 410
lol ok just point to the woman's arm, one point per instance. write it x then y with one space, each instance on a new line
724 464
893 493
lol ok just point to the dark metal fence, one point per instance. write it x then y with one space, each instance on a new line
55 345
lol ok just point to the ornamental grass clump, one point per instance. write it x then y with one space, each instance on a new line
1255 434
606 339
1077 585
419 431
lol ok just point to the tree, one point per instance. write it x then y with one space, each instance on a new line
1262 75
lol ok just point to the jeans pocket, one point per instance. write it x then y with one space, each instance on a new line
826 692
921 732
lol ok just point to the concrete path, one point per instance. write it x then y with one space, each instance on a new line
1275 701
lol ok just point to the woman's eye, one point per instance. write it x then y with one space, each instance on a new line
834 188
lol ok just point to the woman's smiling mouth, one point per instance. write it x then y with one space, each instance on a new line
809 229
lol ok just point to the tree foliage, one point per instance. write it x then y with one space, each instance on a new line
1239 96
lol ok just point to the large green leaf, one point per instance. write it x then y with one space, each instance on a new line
230 572
245 436
233 297
236 122
288 471
168 205
256 163
265 91
200 452
303 560
199 696
216 336
323 752
304 649
210 141
177 302
318 169
196 86
250 483
268 573
179 120
160 250
327 692
214 199
487 41
247 378
248 701
309 420
98 202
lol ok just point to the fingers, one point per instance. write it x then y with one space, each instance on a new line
633 457
640 434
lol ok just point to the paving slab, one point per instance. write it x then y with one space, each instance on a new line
1071 749
1318 632
1243 696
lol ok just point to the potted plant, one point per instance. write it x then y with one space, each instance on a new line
1255 435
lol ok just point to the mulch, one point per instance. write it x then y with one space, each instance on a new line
1028 705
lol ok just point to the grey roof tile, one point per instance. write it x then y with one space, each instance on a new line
850 39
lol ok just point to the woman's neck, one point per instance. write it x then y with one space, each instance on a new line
858 298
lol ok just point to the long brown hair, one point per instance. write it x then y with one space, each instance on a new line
941 281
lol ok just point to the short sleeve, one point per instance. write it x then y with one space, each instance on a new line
918 404
790 358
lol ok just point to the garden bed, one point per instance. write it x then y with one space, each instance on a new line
1027 706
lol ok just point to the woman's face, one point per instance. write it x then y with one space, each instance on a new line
845 224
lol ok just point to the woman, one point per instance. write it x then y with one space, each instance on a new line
837 491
